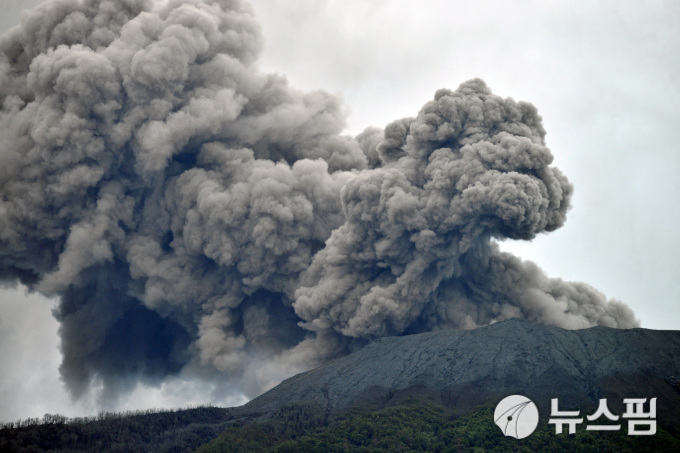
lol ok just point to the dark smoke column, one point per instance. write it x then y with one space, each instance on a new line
197 216
415 252
163 188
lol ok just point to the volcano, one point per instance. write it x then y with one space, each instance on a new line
461 369
415 391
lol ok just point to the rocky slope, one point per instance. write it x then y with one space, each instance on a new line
461 369
455 369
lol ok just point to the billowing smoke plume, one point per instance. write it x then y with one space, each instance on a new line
192 212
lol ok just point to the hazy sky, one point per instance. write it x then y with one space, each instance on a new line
604 76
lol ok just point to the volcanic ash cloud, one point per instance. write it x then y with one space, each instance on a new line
193 213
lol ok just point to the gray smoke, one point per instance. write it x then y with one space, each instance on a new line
193 212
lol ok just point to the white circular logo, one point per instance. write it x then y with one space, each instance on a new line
516 416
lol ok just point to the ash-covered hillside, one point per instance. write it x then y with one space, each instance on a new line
461 369
436 383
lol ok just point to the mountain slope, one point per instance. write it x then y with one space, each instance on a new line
455 373
461 369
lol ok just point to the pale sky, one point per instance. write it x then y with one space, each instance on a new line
604 76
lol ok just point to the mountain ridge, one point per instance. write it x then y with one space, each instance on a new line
438 381
464 368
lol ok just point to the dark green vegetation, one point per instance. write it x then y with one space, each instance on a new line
167 431
419 428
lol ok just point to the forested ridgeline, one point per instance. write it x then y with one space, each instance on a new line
304 427
419 428
181 430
